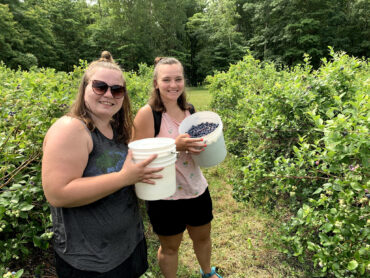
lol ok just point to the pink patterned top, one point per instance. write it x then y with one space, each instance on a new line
189 178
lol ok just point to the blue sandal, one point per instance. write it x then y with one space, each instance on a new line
213 272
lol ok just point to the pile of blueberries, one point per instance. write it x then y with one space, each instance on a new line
202 129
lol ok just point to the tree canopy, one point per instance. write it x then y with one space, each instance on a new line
206 35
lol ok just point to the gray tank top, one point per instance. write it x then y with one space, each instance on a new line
101 235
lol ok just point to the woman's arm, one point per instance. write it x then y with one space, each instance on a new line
143 123
144 128
66 150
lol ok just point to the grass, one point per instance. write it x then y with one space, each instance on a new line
243 237
199 97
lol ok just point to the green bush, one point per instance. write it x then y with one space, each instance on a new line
301 138
139 85
31 101
24 60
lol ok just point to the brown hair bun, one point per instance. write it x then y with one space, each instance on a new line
157 59
106 56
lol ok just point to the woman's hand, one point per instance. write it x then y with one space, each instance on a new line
139 172
193 145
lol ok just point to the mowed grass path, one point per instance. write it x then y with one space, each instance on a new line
199 97
242 236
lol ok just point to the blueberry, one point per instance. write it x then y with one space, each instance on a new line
202 129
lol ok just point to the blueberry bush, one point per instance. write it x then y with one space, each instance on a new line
30 102
139 85
300 138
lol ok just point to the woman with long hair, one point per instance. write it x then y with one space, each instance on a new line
88 176
190 207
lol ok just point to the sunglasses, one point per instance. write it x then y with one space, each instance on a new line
100 88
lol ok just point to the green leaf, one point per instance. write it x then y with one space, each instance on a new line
352 265
337 187
306 210
19 273
311 246
327 227
16 186
335 266
26 207
356 186
362 269
2 210
37 241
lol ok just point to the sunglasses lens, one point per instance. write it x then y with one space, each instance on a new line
118 91
99 87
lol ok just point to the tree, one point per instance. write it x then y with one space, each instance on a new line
11 43
69 26
9 36
359 28
138 31
37 35
284 30
216 41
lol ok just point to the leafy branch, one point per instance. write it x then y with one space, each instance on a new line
15 131
20 168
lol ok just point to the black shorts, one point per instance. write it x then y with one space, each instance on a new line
170 217
133 267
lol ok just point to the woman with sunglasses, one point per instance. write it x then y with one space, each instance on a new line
190 208
87 176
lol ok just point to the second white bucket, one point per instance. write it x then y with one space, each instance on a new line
215 152
165 148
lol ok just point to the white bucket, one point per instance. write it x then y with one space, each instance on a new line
215 152
166 150
160 154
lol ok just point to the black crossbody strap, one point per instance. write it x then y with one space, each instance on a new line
192 109
157 115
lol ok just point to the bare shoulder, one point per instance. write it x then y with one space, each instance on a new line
145 111
144 123
144 115
68 130
68 122
66 149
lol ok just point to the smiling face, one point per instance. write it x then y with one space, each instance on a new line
104 106
170 81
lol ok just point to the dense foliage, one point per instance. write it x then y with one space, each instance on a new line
206 35
283 30
31 102
301 139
